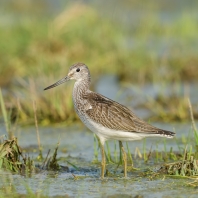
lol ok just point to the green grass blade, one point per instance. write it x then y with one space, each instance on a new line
4 112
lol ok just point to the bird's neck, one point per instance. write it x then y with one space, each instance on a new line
80 88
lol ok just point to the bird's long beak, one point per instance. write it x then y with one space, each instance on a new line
58 82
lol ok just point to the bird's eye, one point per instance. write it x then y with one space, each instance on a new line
78 70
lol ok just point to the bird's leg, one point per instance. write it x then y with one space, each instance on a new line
120 149
124 158
103 163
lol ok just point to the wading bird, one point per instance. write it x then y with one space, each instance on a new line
108 119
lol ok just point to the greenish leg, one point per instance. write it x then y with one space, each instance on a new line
124 158
103 163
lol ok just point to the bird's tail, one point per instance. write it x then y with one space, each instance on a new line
168 134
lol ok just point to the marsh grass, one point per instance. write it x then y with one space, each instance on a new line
10 152
184 164
52 162
53 105
193 124
170 103
11 155
129 154
10 158
40 156
6 117
188 166
13 159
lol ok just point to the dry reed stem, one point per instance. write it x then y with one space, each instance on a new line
191 115
36 124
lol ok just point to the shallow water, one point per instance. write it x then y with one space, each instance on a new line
77 147
64 184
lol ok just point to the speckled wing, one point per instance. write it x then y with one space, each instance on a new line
115 116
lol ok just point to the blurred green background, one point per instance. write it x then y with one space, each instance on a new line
140 42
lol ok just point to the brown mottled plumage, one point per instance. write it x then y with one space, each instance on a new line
105 117
118 117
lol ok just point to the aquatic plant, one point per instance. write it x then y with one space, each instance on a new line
10 157
6 117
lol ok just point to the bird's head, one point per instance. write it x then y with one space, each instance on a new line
78 72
